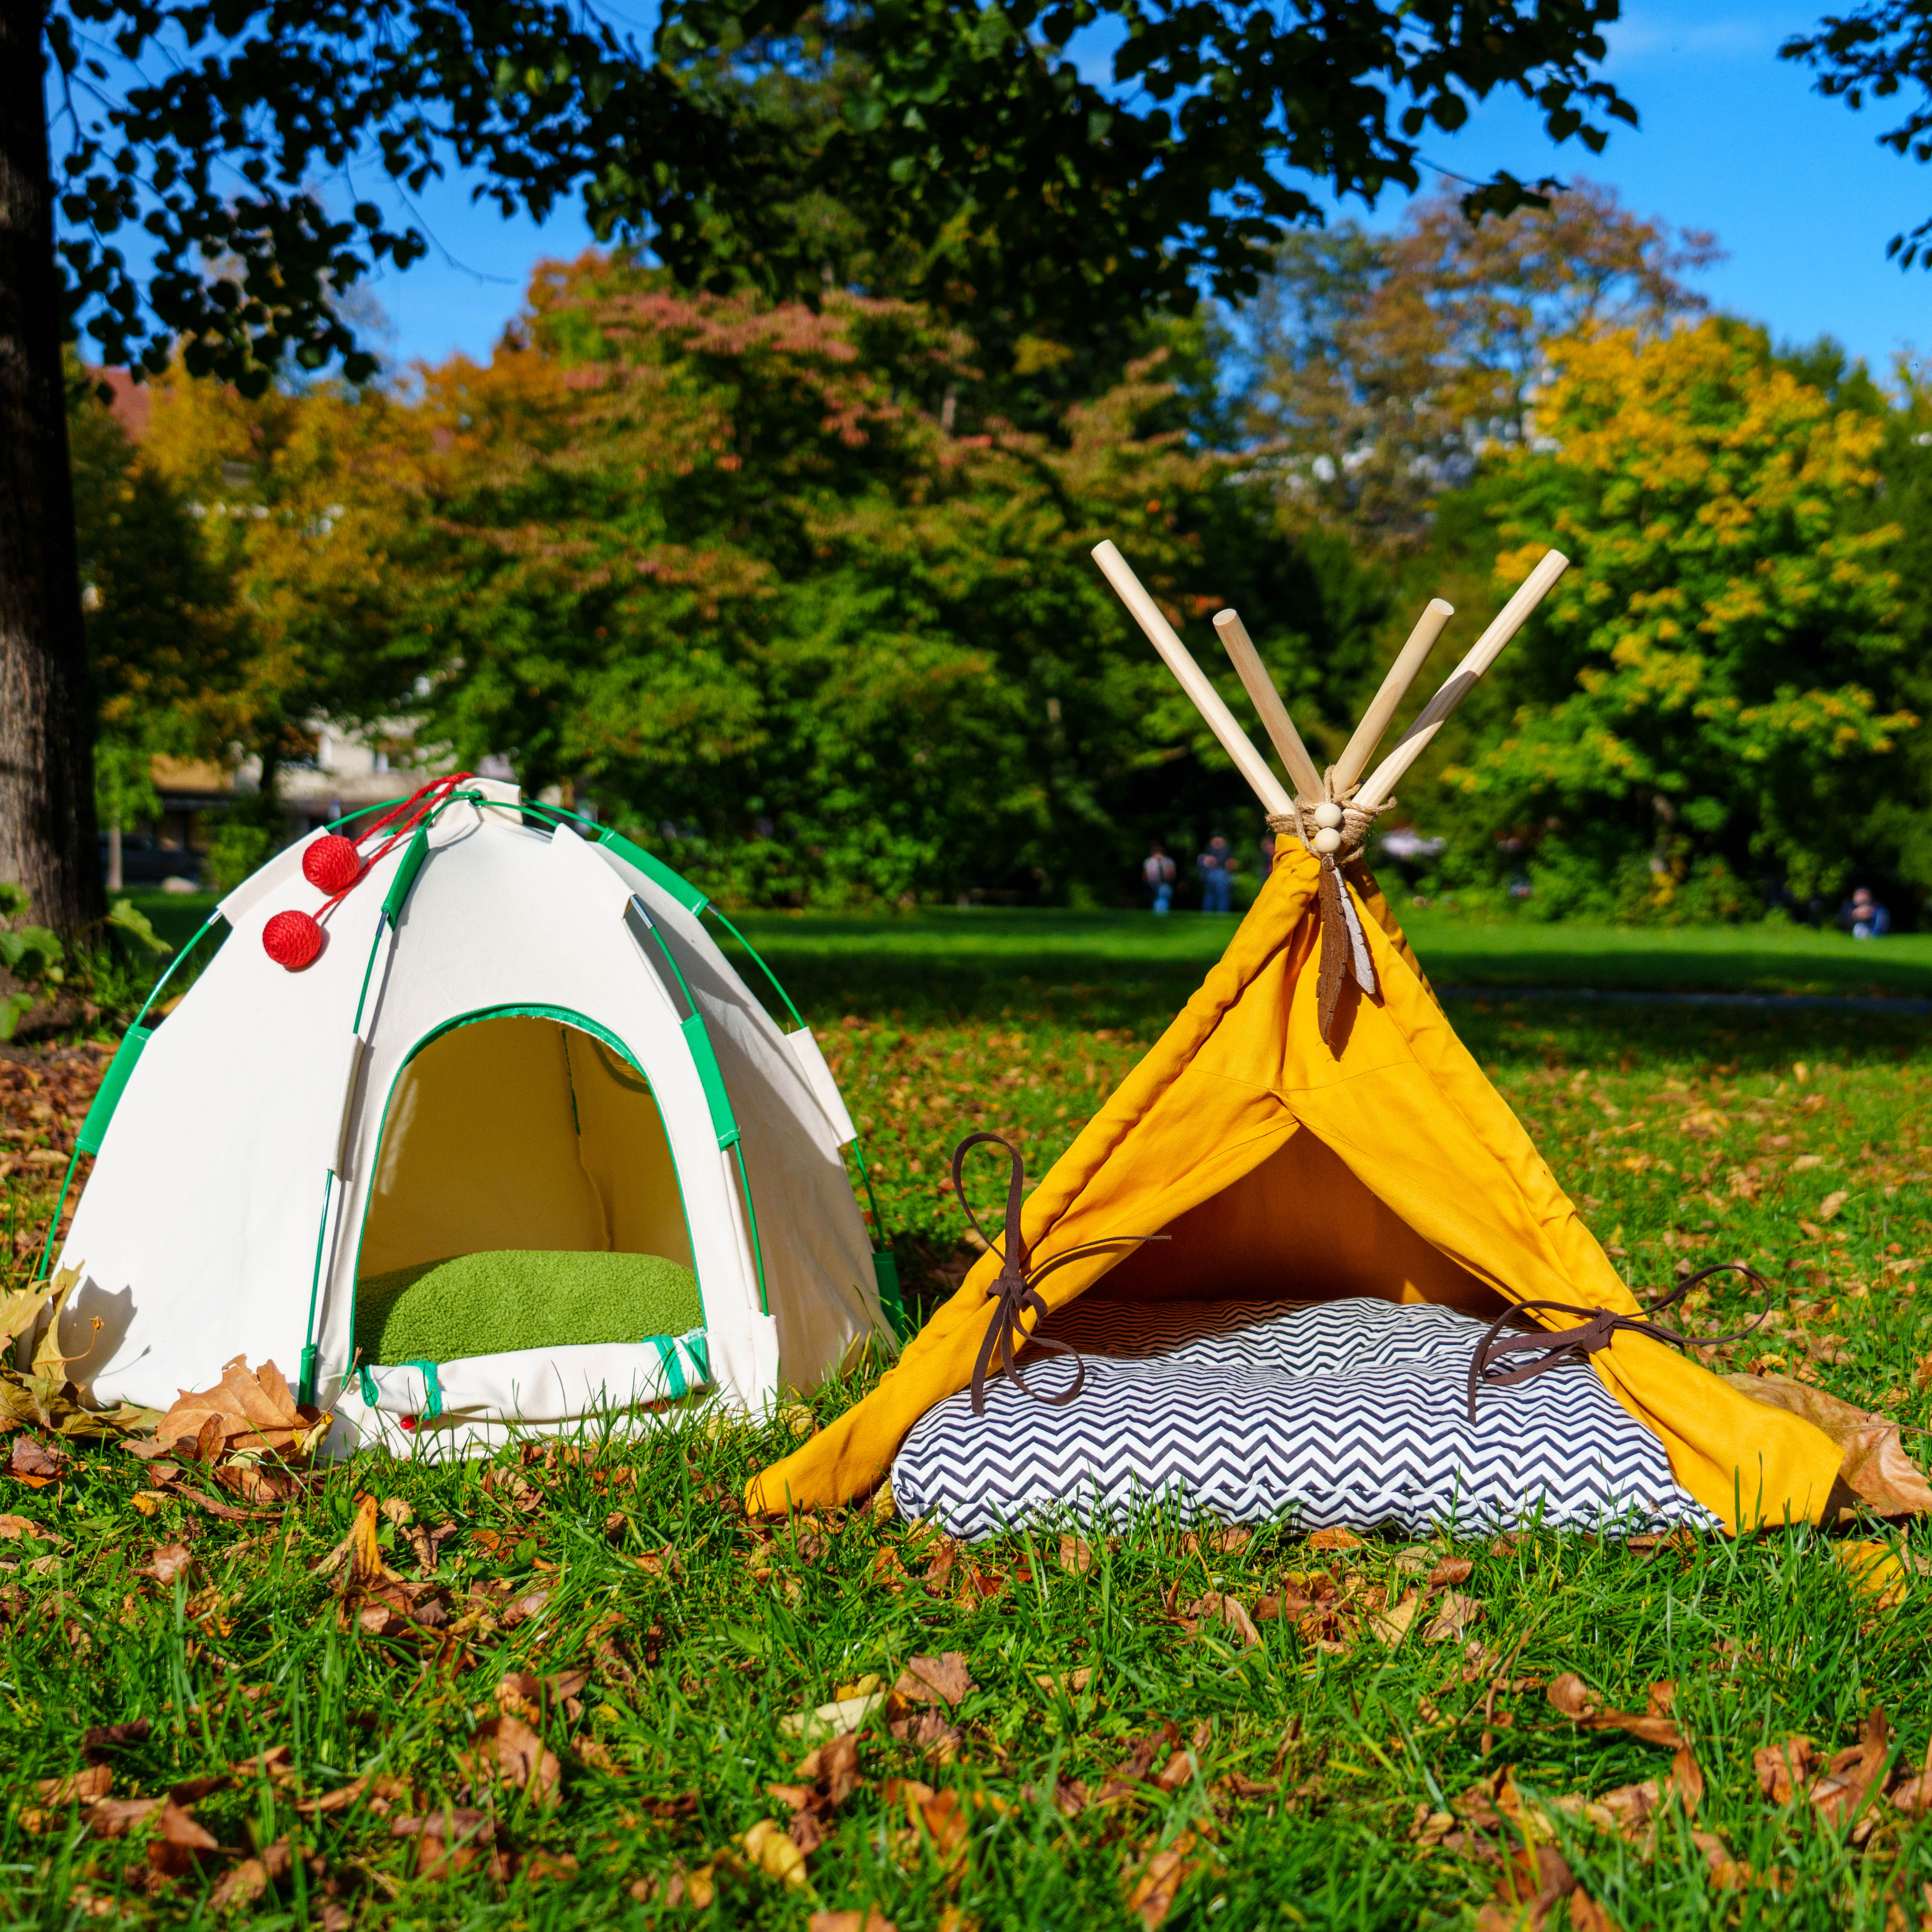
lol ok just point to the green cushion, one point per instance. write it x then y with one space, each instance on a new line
490 1304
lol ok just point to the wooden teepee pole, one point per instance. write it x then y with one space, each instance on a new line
1361 748
1275 721
1483 653
1220 720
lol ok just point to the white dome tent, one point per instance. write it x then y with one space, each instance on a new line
519 1047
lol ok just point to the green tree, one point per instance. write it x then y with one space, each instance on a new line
160 625
970 141
1711 696
304 556
708 560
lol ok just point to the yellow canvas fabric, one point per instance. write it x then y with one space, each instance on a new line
1383 1165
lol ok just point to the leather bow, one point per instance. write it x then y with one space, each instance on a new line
1554 1347
1015 1293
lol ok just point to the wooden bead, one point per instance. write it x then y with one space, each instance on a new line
1327 840
1328 814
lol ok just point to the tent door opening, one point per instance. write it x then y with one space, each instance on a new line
1299 1227
524 1196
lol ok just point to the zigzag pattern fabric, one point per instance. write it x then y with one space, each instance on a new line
1343 1414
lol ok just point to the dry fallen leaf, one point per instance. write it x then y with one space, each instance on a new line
1391 1625
1217 1609
1837 1797
1569 1694
1876 1570
81 1787
1915 1793
934 1680
1153 1884
33 1462
1782 1768
247 1410
116 1817
247 1881
166 1563
1876 1469
1076 1556
1325 1540
830 1720
99 1739
769 1846
870 1920
1454 1612
1688 1780
506 1749
1072 1682
1531 1881
183 1841
453 1839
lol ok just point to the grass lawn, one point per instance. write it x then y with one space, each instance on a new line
369 1745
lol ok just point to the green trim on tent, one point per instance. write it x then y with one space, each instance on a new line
414 853
114 1084
778 986
711 1077
655 869
885 1262
563 1016
120 1071
168 973
53 1226
717 1097
305 1376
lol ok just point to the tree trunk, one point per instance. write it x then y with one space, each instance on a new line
48 842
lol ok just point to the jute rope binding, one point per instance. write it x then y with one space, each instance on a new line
1334 829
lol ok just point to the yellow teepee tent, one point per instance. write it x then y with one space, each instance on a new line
1359 1148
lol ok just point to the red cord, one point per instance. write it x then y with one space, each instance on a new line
295 940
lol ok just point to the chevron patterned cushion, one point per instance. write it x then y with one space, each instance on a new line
1350 1413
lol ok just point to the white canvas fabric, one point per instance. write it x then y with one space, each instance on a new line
233 1188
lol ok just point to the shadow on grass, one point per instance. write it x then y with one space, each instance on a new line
1093 991
1505 1035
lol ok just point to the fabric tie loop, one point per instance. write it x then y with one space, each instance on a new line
1550 1349
1345 953
1015 1294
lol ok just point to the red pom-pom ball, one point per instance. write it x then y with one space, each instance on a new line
292 939
332 864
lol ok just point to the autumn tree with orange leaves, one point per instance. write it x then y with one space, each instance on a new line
722 566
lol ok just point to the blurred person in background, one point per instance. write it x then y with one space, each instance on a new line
1217 876
1863 916
1157 869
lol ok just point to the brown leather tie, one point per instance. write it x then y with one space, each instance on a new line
1554 1347
1015 1293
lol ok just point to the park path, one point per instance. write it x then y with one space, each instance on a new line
1904 1007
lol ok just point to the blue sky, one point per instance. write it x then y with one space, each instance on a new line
1732 139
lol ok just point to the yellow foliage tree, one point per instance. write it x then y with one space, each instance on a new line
1710 693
